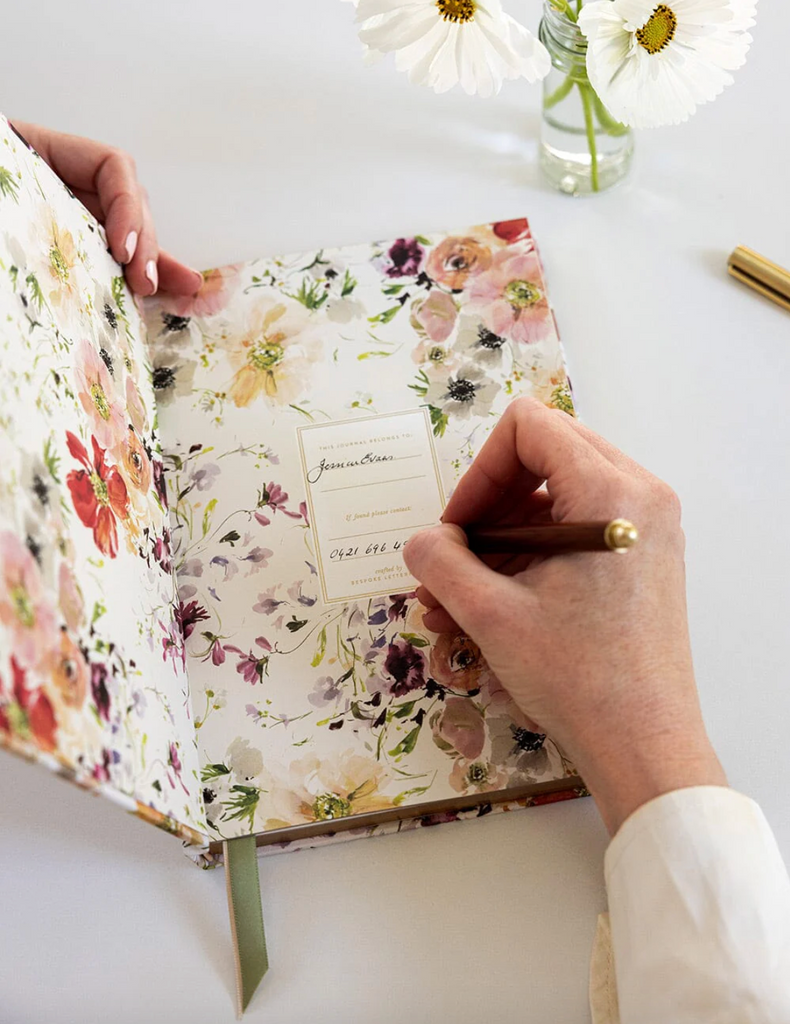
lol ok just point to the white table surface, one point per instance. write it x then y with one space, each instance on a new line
257 130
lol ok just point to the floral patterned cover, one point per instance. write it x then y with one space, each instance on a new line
92 670
294 711
307 712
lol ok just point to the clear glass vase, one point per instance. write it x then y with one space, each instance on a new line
583 149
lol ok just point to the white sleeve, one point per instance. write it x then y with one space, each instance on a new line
699 904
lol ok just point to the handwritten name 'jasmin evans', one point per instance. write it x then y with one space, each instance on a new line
369 459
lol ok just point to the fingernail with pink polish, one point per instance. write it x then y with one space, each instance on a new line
131 245
152 275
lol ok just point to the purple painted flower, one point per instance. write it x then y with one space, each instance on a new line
378 618
405 258
266 604
99 691
274 497
397 610
262 519
303 511
162 551
258 556
217 653
159 481
204 477
173 644
188 616
326 691
405 667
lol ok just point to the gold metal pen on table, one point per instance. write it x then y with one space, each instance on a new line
761 274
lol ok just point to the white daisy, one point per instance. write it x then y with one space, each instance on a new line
653 64
444 42
464 393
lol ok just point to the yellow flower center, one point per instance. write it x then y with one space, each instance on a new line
58 263
100 489
267 354
477 774
522 294
658 30
100 400
23 606
330 805
457 10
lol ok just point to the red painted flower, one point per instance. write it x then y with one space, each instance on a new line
99 494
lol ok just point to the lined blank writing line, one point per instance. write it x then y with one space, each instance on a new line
384 529
373 483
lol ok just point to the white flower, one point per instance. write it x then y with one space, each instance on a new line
477 342
244 760
653 64
444 42
463 394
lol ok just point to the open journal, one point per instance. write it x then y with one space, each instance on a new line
204 610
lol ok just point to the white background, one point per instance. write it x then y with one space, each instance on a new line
257 130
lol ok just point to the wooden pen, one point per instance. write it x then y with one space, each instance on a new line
616 535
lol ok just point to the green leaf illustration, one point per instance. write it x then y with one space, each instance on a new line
407 744
320 650
213 771
8 184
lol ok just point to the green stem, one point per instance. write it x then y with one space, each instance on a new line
605 119
564 7
589 126
559 93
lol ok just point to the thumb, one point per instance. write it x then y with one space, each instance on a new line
470 592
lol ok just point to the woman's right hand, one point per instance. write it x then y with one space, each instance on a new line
594 647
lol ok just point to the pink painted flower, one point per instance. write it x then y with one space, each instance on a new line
459 727
511 298
173 644
250 667
219 285
272 496
435 316
24 608
96 391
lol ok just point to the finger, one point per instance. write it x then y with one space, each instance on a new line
121 201
529 439
177 278
90 201
609 451
141 272
437 620
468 591
94 168
426 598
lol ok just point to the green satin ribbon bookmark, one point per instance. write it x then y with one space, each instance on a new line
246 916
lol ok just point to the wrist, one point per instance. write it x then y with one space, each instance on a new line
623 778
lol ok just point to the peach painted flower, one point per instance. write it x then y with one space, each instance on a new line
57 263
457 663
551 386
70 599
219 285
322 789
69 672
135 407
96 392
459 727
274 356
476 776
511 298
435 317
135 467
455 260
24 608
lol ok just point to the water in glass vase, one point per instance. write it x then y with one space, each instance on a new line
583 149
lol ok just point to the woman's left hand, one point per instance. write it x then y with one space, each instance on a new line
105 180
